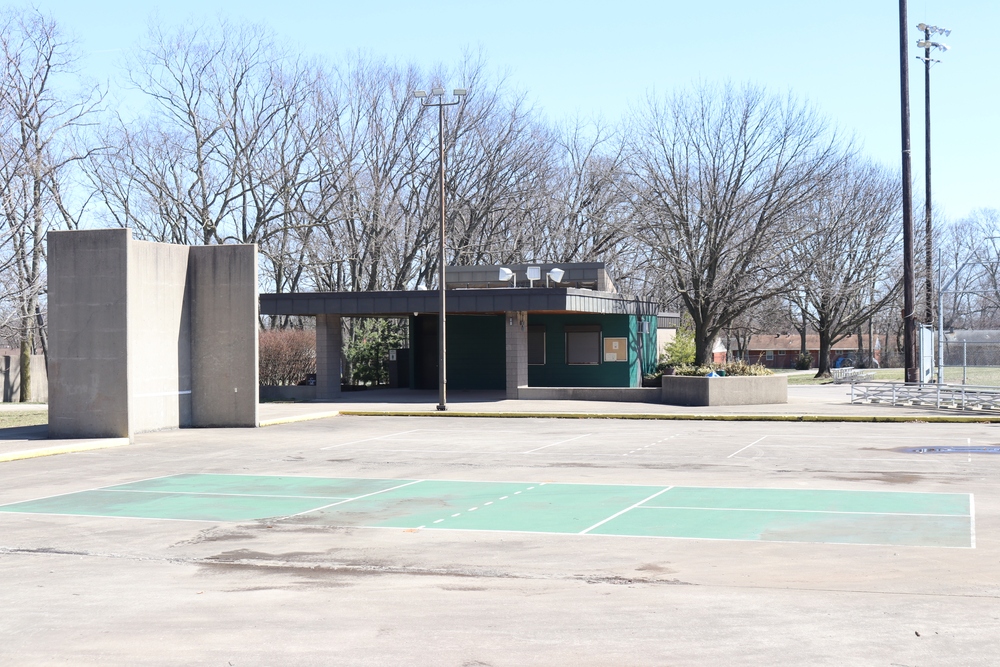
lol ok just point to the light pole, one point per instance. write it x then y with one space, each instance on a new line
909 323
438 93
926 44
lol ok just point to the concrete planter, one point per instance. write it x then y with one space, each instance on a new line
743 390
619 394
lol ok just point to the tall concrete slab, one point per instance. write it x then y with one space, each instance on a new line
159 336
516 334
223 295
146 336
329 341
88 334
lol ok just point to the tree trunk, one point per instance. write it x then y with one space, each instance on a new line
703 343
823 363
25 394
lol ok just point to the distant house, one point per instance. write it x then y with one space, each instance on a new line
781 350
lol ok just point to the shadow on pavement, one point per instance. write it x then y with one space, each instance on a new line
37 432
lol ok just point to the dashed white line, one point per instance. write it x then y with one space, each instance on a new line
473 509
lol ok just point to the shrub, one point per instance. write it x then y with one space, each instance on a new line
286 356
734 369
680 351
367 349
803 362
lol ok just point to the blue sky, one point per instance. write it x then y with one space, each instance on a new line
598 59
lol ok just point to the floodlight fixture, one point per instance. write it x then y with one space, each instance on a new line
933 29
927 44
534 273
419 94
506 274
437 92
460 92
556 274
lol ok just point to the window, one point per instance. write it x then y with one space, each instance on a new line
536 344
781 353
769 355
583 344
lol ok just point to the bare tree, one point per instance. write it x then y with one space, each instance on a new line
845 256
37 126
718 175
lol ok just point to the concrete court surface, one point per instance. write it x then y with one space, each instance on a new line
88 590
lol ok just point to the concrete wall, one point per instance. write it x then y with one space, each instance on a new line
620 394
516 335
287 393
145 336
329 341
159 339
10 377
704 391
88 341
222 281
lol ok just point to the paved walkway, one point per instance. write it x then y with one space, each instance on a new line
824 402
831 401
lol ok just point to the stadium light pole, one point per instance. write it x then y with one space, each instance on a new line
438 93
926 44
909 320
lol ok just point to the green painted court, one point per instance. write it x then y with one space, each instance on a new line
760 514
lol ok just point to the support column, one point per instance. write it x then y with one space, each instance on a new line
516 330
329 341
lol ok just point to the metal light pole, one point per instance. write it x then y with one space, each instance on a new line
926 44
909 322
439 93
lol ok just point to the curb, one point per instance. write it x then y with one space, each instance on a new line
64 449
884 419
298 418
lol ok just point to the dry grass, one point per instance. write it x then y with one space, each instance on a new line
13 418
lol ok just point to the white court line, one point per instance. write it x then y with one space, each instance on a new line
759 509
238 495
972 516
617 514
557 443
142 518
748 446
380 437
375 493
670 537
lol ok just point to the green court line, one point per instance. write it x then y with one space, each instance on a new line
785 515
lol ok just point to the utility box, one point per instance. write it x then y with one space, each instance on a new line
399 369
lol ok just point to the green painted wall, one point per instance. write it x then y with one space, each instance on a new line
556 373
476 352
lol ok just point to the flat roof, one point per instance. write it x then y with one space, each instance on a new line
459 301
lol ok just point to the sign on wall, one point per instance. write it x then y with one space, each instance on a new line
616 349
